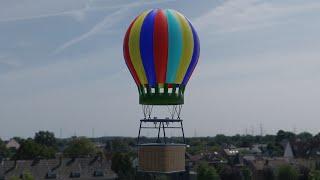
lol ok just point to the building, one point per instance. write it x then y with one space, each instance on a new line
66 168
288 153
13 144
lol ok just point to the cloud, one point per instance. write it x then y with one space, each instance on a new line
12 11
294 66
238 15
106 23
5 60
87 91
279 90
75 9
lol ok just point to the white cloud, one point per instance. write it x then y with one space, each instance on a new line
105 24
294 66
279 90
63 95
5 60
237 15
42 9
26 10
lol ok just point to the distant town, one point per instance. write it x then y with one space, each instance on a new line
282 156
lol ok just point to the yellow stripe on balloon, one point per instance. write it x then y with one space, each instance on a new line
187 48
134 48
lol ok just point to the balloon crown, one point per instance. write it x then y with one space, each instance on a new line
161 49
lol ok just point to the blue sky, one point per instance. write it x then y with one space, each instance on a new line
61 66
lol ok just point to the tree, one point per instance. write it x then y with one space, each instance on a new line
18 139
268 173
317 165
314 175
274 149
47 152
25 176
79 147
122 165
45 138
246 173
14 178
31 150
212 174
221 139
4 151
304 173
246 141
205 172
117 145
229 173
282 135
287 172
268 138
315 142
305 136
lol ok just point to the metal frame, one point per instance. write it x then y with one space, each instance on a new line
161 124
172 122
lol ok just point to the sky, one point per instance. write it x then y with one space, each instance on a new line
62 67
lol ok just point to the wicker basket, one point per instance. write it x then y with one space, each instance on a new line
162 158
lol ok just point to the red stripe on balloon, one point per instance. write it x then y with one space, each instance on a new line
127 55
160 40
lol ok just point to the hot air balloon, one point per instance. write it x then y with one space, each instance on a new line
161 50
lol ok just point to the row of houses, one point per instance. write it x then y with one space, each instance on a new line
62 168
255 159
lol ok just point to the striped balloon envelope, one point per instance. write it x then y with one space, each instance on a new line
161 49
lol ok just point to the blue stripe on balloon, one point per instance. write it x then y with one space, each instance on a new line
195 56
175 46
146 47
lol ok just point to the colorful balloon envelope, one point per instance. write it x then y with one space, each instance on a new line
161 49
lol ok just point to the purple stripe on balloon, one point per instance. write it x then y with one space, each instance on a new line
146 47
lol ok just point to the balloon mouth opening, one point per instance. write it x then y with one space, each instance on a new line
161 94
